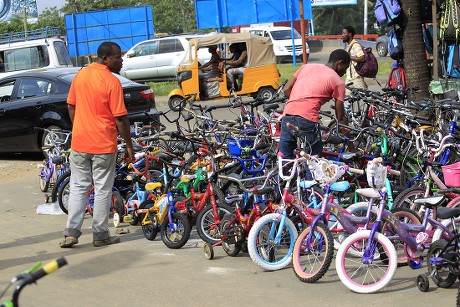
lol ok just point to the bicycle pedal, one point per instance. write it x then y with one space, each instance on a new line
127 219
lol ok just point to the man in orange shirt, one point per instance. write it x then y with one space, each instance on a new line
311 87
96 108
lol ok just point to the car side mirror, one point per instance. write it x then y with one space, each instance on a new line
130 54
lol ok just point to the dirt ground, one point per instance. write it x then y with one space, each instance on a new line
15 166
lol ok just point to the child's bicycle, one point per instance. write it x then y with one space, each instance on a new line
30 276
235 226
443 256
367 260
55 163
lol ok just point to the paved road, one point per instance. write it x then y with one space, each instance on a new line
138 272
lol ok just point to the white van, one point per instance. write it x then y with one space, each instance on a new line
282 41
36 49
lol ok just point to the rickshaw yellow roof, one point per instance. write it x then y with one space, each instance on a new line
260 49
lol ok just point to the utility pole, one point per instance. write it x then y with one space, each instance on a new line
365 17
25 20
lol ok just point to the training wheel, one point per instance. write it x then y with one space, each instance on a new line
208 251
415 264
116 219
423 284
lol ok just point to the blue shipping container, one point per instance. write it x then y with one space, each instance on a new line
126 27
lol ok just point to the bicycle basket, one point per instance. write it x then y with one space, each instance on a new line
235 150
451 174
325 171
377 172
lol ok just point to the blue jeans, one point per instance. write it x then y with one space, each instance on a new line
309 131
86 169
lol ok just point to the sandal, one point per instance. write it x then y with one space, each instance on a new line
68 242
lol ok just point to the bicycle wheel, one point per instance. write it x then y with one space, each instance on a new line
177 237
43 182
406 198
355 273
262 248
149 220
235 235
310 264
443 277
206 227
57 185
63 195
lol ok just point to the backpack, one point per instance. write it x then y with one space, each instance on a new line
395 47
370 66
387 11
449 24
452 61
397 78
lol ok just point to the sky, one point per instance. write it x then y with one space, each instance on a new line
43 4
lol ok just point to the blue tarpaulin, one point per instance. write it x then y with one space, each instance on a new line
225 13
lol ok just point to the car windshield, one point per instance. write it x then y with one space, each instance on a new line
69 77
284 34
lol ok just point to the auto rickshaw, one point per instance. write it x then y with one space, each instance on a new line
260 78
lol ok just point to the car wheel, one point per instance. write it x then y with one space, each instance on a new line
266 93
174 102
382 49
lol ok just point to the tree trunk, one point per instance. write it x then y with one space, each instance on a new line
415 61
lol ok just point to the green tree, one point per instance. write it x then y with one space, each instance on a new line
331 19
174 16
53 18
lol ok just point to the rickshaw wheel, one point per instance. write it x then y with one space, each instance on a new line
174 102
266 93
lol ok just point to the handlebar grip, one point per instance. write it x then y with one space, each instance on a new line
293 127
155 152
395 172
356 171
47 269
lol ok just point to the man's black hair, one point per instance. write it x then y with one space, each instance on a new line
107 49
350 29
339 55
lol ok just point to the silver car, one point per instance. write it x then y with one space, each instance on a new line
157 59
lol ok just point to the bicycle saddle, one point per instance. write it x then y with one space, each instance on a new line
447 213
430 202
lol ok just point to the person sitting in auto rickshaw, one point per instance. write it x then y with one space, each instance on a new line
237 65
211 69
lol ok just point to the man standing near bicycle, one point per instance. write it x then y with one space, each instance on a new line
311 87
356 55
96 108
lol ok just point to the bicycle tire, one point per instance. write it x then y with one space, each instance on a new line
347 266
231 249
309 266
57 185
180 236
261 247
443 278
43 183
205 226
150 230
63 195
405 199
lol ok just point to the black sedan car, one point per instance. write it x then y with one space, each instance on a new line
38 99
